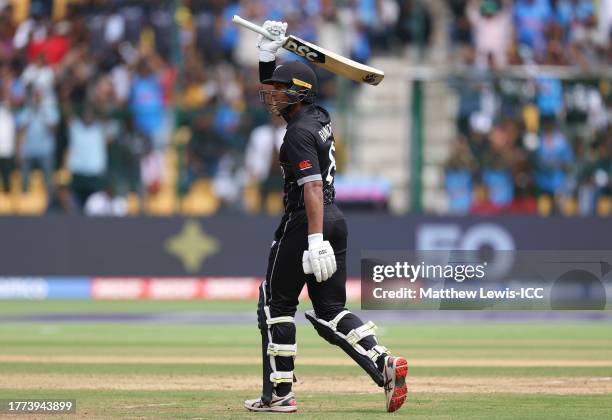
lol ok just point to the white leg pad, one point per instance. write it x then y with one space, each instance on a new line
287 350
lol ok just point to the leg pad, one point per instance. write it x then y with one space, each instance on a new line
364 358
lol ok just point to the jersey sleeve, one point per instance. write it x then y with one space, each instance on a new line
266 68
302 153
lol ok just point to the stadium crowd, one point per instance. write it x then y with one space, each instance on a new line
95 94
534 142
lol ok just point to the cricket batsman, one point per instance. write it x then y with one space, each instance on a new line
310 244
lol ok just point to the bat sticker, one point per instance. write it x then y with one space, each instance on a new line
292 44
370 78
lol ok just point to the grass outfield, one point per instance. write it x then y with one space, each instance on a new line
20 307
472 371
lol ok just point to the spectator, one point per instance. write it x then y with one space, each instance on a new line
414 23
87 154
33 29
585 39
478 140
594 176
549 96
500 187
205 148
120 76
228 182
40 77
120 57
531 18
483 205
146 103
524 196
604 17
39 121
58 44
132 148
114 30
151 169
7 140
7 31
569 14
461 31
553 156
381 29
469 92
492 31
459 179
261 157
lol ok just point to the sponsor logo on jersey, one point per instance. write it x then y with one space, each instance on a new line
305 164
325 132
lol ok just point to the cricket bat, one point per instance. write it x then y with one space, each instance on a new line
321 57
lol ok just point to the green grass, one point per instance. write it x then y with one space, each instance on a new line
227 405
552 341
203 369
20 307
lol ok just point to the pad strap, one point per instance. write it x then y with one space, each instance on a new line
375 352
280 319
285 350
367 329
333 324
279 377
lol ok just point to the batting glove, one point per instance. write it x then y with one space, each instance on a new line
319 259
267 47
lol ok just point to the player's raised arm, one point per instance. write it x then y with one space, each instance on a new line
268 48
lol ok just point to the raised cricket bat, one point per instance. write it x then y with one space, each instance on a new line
321 57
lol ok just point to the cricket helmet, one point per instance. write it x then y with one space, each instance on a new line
301 82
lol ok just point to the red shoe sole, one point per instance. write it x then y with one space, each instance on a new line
401 389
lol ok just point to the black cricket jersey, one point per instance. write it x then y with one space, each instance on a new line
307 153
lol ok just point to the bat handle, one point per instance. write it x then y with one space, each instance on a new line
252 26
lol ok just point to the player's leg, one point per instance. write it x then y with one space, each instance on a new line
330 317
277 336
278 300
343 328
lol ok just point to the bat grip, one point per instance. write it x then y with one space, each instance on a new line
252 26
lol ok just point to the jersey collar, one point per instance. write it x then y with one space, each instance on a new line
305 109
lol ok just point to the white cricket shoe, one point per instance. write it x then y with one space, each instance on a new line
396 369
286 404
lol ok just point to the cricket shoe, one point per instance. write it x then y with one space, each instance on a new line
286 404
395 371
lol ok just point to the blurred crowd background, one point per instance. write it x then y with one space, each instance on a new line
542 141
123 107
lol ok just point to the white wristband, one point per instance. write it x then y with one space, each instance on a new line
266 56
314 239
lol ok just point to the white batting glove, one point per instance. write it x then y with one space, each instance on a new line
267 47
319 259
